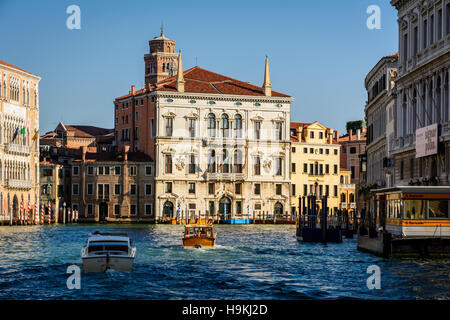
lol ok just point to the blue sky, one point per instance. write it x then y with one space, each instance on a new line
320 51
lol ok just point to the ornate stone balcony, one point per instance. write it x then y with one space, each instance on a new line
19 184
17 149
224 176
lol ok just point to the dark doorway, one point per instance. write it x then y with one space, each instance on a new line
103 211
168 210
278 209
225 207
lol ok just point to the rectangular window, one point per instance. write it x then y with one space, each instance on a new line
257 188
168 187
75 170
293 149
335 152
279 131
311 168
312 134
353 172
100 171
257 130
278 189
293 190
335 169
169 127
133 170
152 128
305 189
117 190
327 190
90 209
107 171
305 168
401 170
327 151
257 167
117 209
90 189
133 189
148 189
293 168
148 170
192 126
192 164
439 31
75 189
211 188
90 171
416 40
148 209
327 168
305 150
335 191
431 29
117 170
168 164
133 210
238 207
238 188
191 188
100 191
279 166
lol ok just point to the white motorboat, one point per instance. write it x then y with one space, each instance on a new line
105 251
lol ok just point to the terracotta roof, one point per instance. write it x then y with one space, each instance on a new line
199 80
88 131
14 67
296 125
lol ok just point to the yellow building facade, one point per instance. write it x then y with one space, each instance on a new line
315 169
347 189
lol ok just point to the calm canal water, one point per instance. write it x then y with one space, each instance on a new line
250 262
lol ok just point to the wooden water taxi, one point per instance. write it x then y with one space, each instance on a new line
199 236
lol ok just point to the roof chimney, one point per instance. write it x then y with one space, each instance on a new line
83 153
350 134
133 90
126 149
337 136
180 78
358 134
267 85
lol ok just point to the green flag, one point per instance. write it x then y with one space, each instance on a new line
22 131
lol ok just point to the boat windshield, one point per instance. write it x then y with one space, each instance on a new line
199 231
96 247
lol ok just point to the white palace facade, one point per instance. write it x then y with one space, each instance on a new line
221 146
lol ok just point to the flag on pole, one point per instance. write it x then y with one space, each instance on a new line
15 134
36 135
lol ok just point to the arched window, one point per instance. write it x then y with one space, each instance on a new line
343 198
225 162
225 126
168 209
211 125
238 161
342 179
212 161
238 126
352 198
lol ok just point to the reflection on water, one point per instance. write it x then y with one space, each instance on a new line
249 262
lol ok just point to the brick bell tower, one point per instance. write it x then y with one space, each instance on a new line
162 61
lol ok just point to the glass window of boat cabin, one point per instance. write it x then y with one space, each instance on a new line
415 209
438 209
